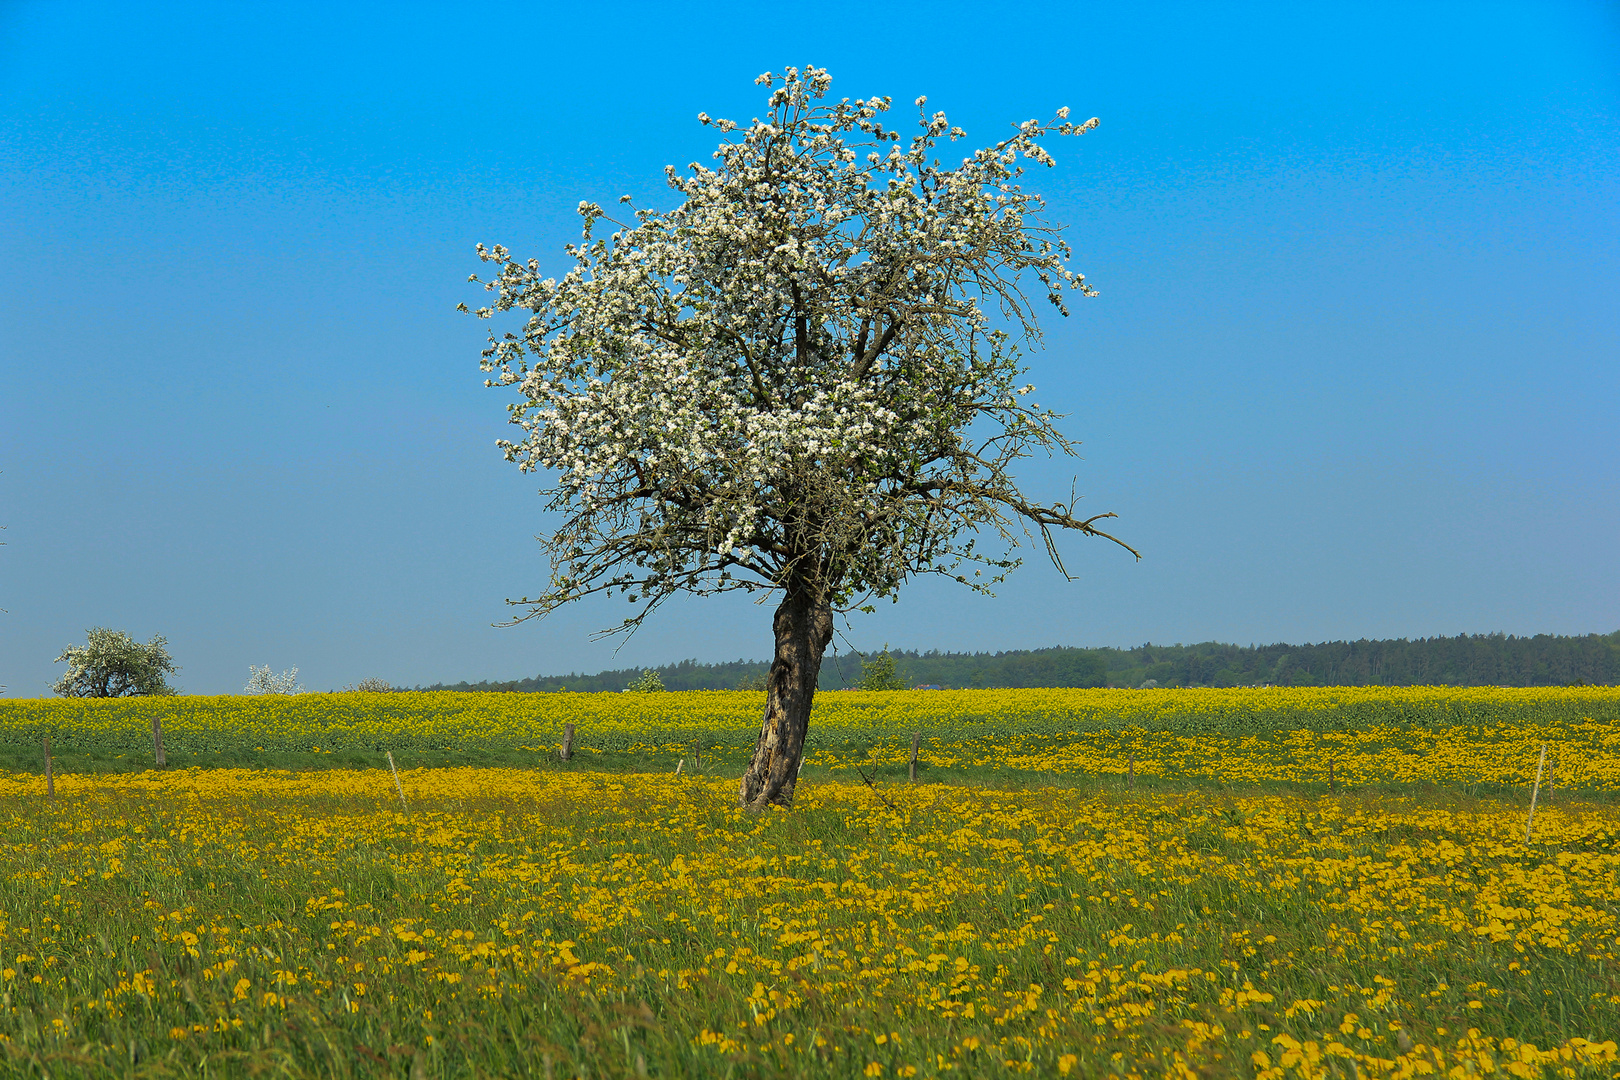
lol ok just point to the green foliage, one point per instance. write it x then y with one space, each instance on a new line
648 683
113 664
756 681
685 675
1465 660
880 673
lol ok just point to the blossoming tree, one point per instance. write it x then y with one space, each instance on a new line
802 380
113 664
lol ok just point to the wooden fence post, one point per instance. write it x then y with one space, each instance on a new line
1531 820
1130 774
157 741
50 781
697 754
397 785
916 737
568 741
1331 785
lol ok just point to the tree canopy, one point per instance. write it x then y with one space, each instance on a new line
113 664
804 378
1464 660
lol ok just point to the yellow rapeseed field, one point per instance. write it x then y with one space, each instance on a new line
1464 736
532 922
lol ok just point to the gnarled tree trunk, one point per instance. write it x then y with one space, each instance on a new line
803 628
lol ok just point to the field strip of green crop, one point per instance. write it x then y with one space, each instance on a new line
1314 737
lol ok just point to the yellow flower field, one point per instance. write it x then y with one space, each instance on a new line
1584 756
1401 735
551 923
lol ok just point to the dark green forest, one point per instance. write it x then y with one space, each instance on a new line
1465 660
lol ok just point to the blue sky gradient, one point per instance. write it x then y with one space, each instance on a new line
1354 372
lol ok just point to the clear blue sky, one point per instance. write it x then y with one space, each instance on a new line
1354 372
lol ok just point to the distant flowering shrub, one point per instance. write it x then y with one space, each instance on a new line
111 664
264 681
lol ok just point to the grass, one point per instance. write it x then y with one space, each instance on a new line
596 919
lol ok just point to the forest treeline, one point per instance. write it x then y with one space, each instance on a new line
1464 660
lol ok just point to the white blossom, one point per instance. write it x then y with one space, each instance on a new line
807 366
261 680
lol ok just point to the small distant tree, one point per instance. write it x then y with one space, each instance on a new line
113 664
264 681
880 673
368 686
756 681
648 683
805 379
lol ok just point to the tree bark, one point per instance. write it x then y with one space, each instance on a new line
803 629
